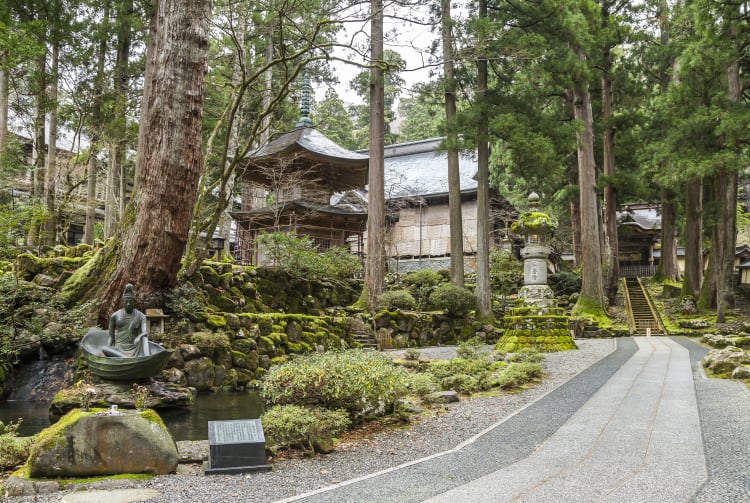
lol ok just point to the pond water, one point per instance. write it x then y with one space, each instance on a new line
190 423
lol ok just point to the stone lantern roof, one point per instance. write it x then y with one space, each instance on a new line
534 221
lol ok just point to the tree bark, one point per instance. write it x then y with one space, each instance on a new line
50 182
454 178
668 268
4 93
728 182
592 294
575 214
375 270
691 284
483 289
611 250
155 230
97 121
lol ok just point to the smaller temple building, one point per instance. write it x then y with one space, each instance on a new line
289 186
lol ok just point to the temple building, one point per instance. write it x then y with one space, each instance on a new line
293 185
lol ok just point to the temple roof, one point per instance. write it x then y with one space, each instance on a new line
420 168
305 207
641 216
309 149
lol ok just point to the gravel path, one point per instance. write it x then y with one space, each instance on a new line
440 432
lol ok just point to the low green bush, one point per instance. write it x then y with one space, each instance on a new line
421 284
516 375
184 300
564 283
300 257
396 299
463 383
454 300
296 426
361 382
472 349
423 384
13 450
506 272
446 368
526 355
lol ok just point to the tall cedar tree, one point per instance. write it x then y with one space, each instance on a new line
151 239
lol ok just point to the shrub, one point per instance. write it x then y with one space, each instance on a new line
517 375
184 300
396 299
456 301
412 354
300 257
421 284
526 355
423 384
506 272
361 382
13 450
293 425
446 368
472 349
462 383
564 283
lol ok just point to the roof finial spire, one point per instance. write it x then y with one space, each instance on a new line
304 108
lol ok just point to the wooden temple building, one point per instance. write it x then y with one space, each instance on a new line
290 185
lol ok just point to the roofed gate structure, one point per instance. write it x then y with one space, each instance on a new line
294 179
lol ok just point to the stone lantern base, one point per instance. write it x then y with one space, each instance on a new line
540 296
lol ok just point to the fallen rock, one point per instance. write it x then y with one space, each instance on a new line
741 373
724 361
84 444
443 397
16 486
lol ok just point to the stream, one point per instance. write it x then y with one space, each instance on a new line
35 383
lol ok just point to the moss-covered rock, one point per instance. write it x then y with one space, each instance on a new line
96 443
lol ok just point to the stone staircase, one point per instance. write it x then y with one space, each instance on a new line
642 315
365 338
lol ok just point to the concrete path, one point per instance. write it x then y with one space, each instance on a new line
637 439
630 428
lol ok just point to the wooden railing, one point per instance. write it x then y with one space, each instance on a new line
637 271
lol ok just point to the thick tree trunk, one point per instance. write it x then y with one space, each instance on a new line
454 178
668 268
728 181
726 238
611 251
50 182
375 270
39 147
575 214
4 93
116 196
592 291
483 290
97 121
693 243
156 226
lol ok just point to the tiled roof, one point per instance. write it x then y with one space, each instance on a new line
419 168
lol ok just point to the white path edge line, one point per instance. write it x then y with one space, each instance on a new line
455 449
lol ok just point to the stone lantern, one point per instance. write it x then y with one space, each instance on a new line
535 226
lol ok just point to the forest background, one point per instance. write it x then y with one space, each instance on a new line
591 104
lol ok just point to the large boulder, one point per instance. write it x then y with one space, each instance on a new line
84 444
724 361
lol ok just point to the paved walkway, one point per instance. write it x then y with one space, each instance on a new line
634 427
